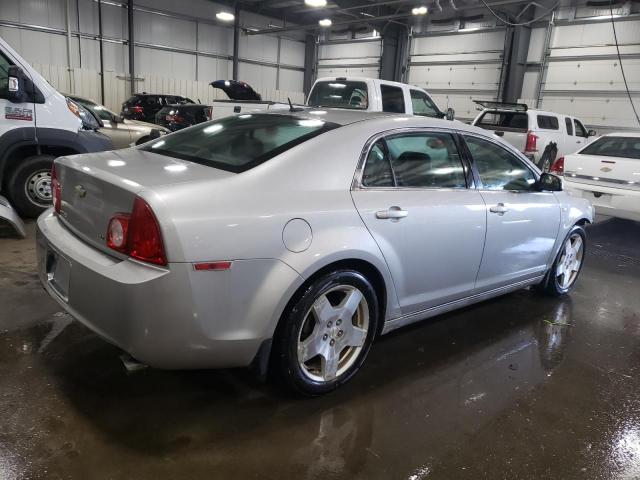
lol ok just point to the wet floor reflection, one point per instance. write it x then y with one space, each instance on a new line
524 386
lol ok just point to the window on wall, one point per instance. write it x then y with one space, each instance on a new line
569 125
498 168
392 99
422 160
548 122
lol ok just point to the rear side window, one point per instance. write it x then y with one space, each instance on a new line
239 143
504 121
548 122
392 99
623 147
419 160
569 125
338 93
134 100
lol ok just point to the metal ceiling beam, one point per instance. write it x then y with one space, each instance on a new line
315 26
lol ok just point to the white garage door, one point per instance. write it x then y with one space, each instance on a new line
359 58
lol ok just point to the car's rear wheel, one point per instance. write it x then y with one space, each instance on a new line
327 333
568 264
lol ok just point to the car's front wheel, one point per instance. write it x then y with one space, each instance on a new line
326 334
568 264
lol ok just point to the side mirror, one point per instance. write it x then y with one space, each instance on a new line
17 84
549 183
154 133
450 114
117 119
592 133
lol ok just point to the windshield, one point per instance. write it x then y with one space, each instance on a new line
241 142
624 147
100 110
341 94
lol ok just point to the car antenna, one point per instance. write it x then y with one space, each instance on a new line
292 108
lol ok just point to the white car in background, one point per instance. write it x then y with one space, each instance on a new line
607 173
541 136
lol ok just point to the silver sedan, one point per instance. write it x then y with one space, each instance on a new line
290 241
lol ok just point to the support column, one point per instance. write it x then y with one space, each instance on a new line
132 70
517 64
309 63
236 41
100 51
390 53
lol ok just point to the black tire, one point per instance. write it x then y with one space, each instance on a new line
548 157
551 285
32 174
285 360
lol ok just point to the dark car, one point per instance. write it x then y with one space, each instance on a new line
144 106
177 117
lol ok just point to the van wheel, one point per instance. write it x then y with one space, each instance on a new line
326 335
29 185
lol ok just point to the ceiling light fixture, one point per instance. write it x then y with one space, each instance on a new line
422 10
316 3
225 16
325 22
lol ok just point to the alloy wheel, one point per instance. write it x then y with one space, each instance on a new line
570 262
333 333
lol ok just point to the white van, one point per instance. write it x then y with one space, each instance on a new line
541 136
38 125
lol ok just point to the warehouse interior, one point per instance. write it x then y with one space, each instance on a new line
520 386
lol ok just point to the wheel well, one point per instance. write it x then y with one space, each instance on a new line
583 222
22 152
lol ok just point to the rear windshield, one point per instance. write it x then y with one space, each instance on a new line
339 93
623 147
239 143
503 121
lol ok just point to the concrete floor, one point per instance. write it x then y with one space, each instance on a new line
493 391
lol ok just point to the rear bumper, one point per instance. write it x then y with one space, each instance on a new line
172 317
614 202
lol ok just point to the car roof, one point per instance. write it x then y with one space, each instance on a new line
623 134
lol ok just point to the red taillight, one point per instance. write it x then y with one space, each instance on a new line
175 118
56 190
138 234
532 143
137 109
558 167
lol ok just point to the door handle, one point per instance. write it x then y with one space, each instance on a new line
500 209
392 213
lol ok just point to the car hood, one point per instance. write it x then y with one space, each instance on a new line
139 124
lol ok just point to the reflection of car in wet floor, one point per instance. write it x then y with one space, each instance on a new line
553 334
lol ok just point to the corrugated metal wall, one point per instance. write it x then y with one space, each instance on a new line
350 57
582 75
179 48
457 68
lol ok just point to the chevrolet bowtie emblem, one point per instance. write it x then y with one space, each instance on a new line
80 191
605 169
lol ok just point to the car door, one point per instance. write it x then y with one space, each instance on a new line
14 115
117 131
522 222
415 195
581 136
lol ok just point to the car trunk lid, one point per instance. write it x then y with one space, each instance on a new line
616 172
94 187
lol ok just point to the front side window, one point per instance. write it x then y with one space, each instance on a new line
392 99
623 147
422 105
580 130
100 110
239 143
569 125
498 168
340 94
420 160
4 76
548 122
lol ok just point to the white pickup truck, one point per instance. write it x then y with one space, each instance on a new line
356 93
541 136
